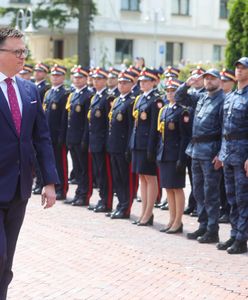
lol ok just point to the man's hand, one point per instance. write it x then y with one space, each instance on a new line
217 163
192 79
48 196
246 168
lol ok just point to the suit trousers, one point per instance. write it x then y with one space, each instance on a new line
11 219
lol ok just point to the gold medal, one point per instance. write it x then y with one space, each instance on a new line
119 117
78 108
98 113
54 106
143 115
171 125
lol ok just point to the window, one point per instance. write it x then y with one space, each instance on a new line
180 7
174 53
58 49
123 50
218 53
20 1
131 5
223 9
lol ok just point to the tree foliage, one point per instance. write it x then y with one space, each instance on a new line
237 34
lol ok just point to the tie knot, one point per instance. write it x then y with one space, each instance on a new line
8 80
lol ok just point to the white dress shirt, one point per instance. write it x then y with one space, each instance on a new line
3 86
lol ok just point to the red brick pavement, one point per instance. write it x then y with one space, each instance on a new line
69 253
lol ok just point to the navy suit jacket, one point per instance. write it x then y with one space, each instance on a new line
17 154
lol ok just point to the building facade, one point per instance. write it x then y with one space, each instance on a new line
164 32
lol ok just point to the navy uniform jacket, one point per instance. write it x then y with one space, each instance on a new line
17 155
188 97
145 112
77 123
174 125
114 93
54 106
235 121
136 90
98 121
42 87
120 124
207 123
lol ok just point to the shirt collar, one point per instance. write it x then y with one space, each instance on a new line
147 93
101 91
3 77
79 90
57 87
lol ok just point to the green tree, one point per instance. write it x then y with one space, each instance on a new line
57 13
235 34
244 40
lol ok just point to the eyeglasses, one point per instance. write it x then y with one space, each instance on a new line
18 53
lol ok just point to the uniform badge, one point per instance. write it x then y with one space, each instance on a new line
54 106
186 119
143 115
98 113
119 117
171 125
78 108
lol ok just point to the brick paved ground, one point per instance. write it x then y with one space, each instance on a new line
69 253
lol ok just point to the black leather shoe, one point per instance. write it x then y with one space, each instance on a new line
101 208
37 191
165 206
224 219
69 201
194 235
135 222
165 228
108 214
208 238
138 199
60 196
91 207
157 205
177 230
148 223
188 211
78 202
119 215
194 213
238 247
73 181
226 244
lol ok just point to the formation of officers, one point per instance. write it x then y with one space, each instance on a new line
124 133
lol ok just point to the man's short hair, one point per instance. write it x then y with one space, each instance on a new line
9 32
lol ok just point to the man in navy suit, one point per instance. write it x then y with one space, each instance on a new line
23 125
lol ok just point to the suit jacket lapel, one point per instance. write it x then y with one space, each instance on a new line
4 108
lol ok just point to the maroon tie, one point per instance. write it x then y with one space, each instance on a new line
14 106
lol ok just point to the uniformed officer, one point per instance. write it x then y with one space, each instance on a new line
54 106
136 87
77 139
187 97
174 126
120 129
98 131
26 72
234 154
143 143
40 73
203 149
112 83
228 82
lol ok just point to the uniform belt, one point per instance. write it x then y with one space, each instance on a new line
236 136
205 138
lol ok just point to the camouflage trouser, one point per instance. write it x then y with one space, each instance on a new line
206 188
237 195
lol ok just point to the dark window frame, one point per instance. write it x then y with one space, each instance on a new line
224 12
129 7
126 51
20 1
180 12
170 51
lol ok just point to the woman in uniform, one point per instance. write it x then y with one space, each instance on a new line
174 127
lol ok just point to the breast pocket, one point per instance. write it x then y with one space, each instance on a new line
239 110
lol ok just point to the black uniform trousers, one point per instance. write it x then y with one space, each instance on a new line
101 161
192 201
224 205
60 154
123 182
83 173
11 218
